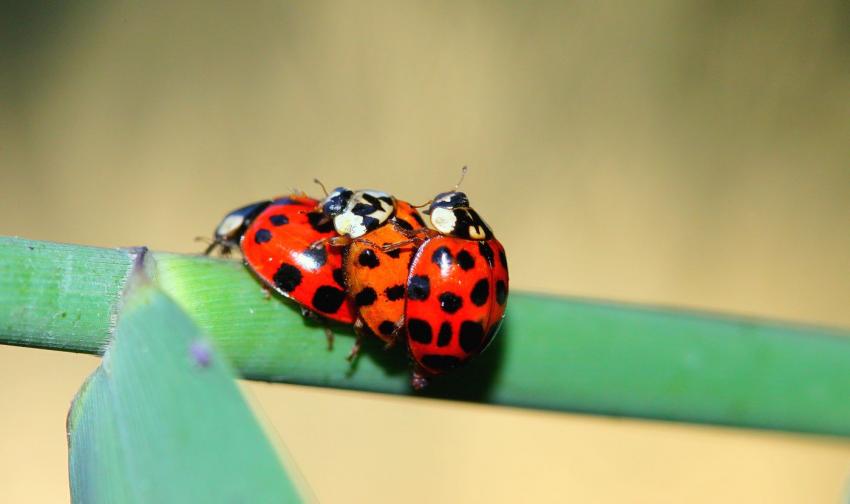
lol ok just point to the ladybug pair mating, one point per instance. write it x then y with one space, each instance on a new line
368 259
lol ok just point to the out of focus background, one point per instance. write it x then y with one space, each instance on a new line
684 153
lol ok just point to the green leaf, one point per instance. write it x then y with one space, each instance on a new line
161 420
553 353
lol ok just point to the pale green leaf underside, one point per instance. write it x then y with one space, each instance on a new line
162 420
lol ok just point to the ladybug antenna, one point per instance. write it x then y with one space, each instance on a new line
321 185
462 175
423 204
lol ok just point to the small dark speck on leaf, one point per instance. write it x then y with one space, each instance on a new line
64 314
30 247
201 353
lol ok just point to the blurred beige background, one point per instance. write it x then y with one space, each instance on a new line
681 153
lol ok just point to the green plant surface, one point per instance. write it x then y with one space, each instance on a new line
552 353
162 420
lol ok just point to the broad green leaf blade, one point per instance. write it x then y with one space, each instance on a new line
161 420
553 353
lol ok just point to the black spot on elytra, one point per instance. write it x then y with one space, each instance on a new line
339 277
444 337
450 302
386 328
328 299
278 220
503 259
480 292
368 258
394 253
317 256
320 222
287 277
442 257
441 362
486 252
404 224
262 236
420 331
418 288
465 260
365 297
395 292
501 292
471 336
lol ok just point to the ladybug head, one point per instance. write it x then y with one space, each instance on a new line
355 213
336 202
451 215
234 224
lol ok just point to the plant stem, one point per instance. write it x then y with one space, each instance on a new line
553 353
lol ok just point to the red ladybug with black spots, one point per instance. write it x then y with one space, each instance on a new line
283 242
457 289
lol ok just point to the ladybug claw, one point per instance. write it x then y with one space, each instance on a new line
396 334
389 247
418 381
355 351
330 337
266 292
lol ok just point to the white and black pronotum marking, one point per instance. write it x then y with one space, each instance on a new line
233 226
355 213
451 215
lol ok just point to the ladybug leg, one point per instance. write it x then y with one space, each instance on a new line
415 237
223 246
389 247
359 328
267 293
333 241
210 248
329 334
418 380
366 242
355 350
422 233
311 315
395 335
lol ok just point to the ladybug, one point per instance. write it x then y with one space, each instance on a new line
366 221
457 289
376 276
283 242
